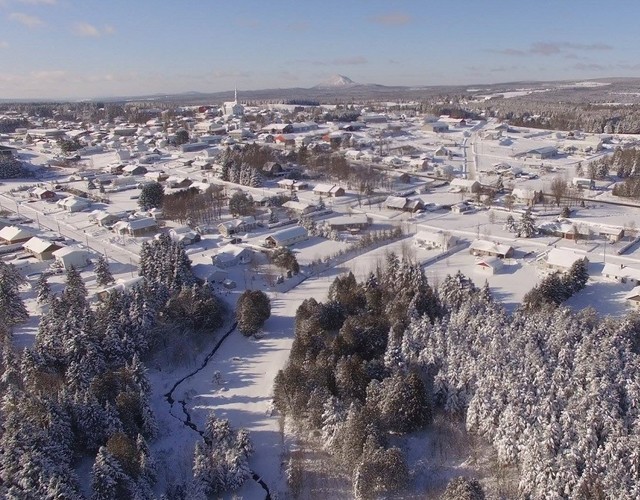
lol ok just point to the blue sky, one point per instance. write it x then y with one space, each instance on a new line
92 48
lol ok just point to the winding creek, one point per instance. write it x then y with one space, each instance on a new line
187 420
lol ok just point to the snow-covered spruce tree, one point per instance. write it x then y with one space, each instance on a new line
221 462
527 227
462 488
103 273
511 225
252 310
151 196
43 290
12 308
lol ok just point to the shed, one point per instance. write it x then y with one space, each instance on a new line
41 193
72 256
287 237
41 249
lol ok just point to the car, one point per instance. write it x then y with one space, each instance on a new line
235 241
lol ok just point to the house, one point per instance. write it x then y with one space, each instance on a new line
217 275
136 227
542 153
134 169
41 249
184 235
441 151
7 152
72 256
286 237
157 176
465 185
562 260
292 184
489 265
434 239
621 273
232 255
104 219
177 182
491 249
123 155
404 204
527 196
298 207
74 204
461 208
121 287
235 226
583 183
436 127
272 169
347 223
570 230
11 235
633 298
328 190
40 193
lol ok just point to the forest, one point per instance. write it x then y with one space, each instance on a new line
553 391
81 393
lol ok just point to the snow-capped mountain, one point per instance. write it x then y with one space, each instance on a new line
337 81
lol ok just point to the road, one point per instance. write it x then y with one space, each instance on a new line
52 222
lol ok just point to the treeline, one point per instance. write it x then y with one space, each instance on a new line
379 358
558 287
339 382
195 206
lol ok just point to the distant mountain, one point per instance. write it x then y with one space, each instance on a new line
336 82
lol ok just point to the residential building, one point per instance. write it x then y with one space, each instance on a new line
287 237
41 249
490 248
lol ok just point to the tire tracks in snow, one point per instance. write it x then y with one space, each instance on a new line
187 421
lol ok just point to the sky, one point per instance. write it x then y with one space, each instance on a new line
76 49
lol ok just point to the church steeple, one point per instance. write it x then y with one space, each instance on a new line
235 95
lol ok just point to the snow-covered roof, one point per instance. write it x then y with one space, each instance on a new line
298 206
38 245
634 294
61 252
12 233
560 257
490 246
395 202
621 271
288 233
143 223
490 261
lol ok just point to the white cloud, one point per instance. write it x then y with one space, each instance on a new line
89 30
48 75
26 19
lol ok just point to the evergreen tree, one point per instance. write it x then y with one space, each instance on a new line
527 227
151 196
12 308
241 204
252 310
43 290
462 488
103 273
511 224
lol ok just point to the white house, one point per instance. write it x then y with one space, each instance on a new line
562 259
287 237
74 204
621 273
434 239
299 207
465 185
232 255
72 256
489 265
136 227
